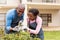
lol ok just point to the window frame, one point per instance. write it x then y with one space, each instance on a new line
47 18
3 1
47 1
29 0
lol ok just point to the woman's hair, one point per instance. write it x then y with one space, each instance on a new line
34 11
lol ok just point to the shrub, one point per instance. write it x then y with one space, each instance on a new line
16 36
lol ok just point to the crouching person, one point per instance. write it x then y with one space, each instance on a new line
13 17
35 24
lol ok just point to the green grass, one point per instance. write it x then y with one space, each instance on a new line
54 35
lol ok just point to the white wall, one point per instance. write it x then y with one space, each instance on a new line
57 1
55 19
40 1
11 3
37 1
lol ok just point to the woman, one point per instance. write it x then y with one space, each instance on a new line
35 24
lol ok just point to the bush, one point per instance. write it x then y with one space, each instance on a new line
16 36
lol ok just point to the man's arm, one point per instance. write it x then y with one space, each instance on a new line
8 21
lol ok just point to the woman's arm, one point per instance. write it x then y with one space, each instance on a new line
39 24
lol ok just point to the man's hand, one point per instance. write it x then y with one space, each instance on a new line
16 29
11 28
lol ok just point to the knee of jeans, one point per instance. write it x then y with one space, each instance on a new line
7 31
41 36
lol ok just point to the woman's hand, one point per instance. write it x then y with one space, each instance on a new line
28 30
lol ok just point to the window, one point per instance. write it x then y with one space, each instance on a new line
29 0
49 1
20 1
2 19
47 18
3 1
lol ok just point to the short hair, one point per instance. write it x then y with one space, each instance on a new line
21 6
34 11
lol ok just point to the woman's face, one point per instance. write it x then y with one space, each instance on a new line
31 16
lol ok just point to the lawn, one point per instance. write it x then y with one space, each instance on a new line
54 35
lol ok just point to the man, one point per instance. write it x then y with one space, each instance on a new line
13 17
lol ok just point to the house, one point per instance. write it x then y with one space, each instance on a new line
49 10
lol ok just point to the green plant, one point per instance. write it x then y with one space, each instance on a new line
18 36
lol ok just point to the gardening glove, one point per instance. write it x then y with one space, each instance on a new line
25 28
17 28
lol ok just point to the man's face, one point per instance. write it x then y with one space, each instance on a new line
20 11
